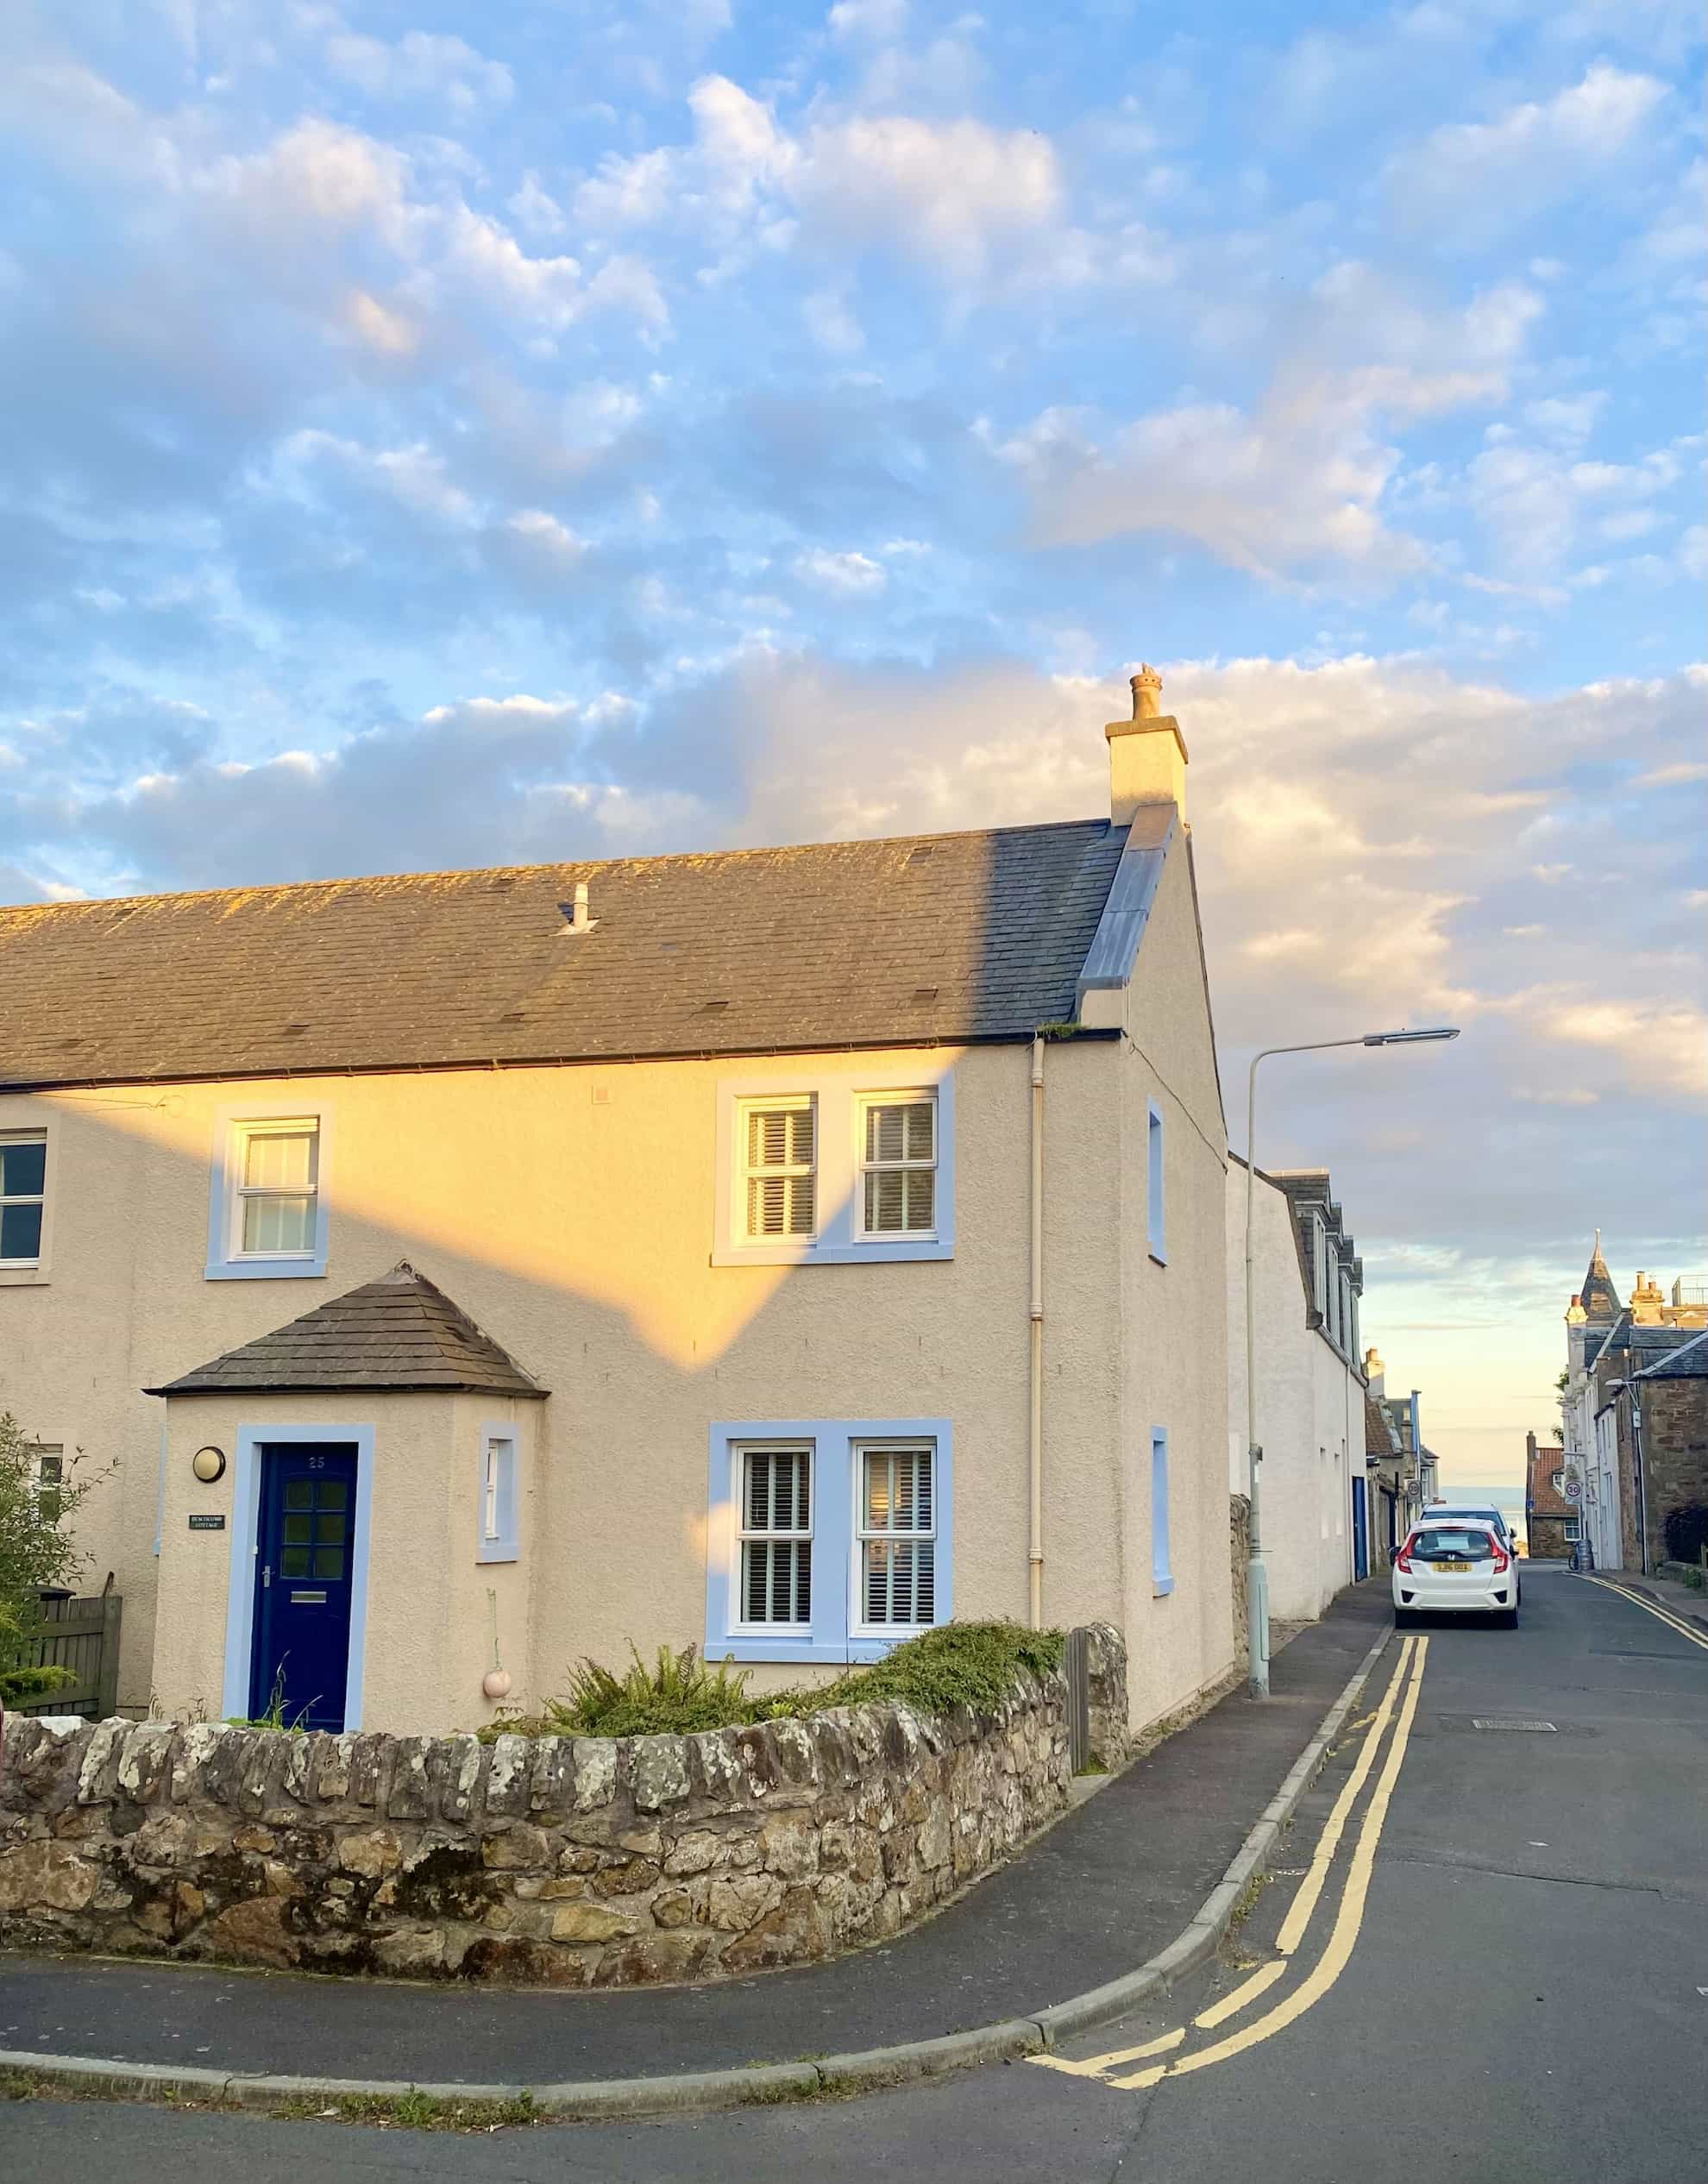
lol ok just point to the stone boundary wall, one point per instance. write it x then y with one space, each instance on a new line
561 1861
1239 1555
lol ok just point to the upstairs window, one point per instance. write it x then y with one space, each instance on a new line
898 1165
1156 1222
776 1537
780 1175
898 1537
277 1189
23 1194
267 1211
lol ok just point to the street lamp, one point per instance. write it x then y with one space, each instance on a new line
1256 1575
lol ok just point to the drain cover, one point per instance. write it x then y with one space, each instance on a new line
1509 1722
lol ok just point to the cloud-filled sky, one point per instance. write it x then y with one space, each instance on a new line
439 435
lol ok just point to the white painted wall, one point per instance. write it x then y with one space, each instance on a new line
1309 1412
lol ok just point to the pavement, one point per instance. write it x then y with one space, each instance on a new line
1505 1980
1113 1883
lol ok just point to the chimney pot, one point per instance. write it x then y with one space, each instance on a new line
1147 754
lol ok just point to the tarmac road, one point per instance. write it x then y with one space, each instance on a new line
1495 1971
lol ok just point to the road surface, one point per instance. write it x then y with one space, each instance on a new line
1484 1956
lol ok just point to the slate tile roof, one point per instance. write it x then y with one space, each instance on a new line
1687 1361
942 937
399 1332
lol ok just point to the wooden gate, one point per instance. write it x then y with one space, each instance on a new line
81 1636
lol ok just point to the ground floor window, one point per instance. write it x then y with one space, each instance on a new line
828 1540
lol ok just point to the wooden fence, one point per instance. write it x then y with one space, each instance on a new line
81 1636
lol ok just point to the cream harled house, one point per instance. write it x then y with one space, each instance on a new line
782 1250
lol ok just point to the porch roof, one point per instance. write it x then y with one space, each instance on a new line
399 1332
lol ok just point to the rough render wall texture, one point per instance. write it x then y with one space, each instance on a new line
1173 1337
550 1204
565 1862
1238 1558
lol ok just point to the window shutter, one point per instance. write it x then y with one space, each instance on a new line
897 1523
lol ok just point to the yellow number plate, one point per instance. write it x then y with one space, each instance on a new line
1453 1565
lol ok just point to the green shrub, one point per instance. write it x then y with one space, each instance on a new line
960 1664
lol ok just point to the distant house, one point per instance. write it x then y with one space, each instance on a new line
1307 1281
1553 1520
1610 1346
1391 1473
783 1251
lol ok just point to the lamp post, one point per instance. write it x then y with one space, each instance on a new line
1257 1574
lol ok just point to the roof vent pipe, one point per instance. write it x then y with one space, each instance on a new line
579 919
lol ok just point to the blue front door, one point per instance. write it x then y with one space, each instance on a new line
1360 1543
301 1646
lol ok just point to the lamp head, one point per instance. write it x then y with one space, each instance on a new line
1410 1038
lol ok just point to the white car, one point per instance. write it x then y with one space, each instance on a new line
1478 1513
1455 1565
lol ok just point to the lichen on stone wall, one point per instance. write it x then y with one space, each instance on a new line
561 1861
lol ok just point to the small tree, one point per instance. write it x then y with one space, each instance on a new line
35 1552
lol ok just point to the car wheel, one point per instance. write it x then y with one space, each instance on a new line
1403 1618
1507 1619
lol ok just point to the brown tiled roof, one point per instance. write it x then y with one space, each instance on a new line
1380 1438
397 1332
932 938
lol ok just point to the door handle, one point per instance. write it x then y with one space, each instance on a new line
267 1575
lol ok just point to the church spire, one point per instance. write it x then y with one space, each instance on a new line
1600 1299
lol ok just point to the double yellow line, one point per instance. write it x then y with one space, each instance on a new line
1654 1608
1402 1693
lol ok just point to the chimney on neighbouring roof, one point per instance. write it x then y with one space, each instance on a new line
1147 755
1375 1372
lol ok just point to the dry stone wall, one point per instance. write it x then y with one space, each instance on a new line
561 1861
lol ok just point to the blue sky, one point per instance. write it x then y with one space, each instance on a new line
444 435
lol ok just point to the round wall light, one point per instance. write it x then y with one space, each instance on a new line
208 1464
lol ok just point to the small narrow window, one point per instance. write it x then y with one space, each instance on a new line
277 1191
1574 1530
1162 1576
898 1537
50 1477
498 1533
776 1537
1155 1212
898 1165
24 1193
779 1157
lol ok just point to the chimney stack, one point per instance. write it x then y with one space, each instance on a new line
1147 755
1375 1372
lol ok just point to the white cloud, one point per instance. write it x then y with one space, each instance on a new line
1468 180
419 65
1298 485
851 574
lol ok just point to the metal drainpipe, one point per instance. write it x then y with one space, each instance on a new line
1035 1431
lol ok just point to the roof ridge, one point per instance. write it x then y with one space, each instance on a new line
584 865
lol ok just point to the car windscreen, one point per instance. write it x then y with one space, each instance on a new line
1453 1543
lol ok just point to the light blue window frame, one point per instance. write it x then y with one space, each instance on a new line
1156 1223
1162 1576
834 1635
504 1543
225 1264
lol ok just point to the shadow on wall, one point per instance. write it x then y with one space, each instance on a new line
570 1212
